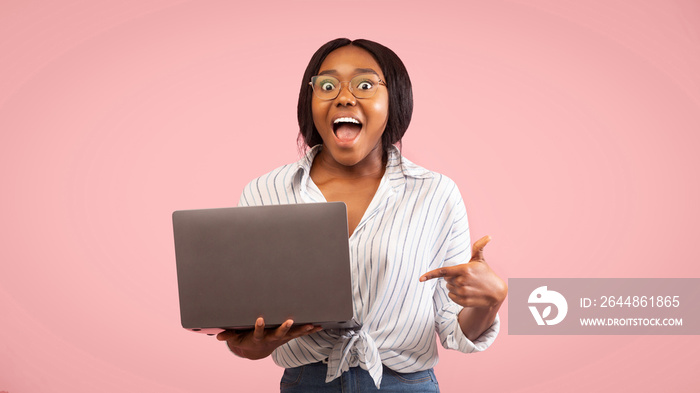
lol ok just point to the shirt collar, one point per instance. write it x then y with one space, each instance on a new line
398 168
305 162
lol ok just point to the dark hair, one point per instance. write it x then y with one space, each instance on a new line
398 85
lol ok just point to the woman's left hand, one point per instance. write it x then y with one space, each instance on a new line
472 284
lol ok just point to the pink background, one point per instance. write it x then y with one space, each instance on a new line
571 128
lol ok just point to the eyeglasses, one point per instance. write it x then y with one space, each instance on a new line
327 87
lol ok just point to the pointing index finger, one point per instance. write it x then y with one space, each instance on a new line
441 272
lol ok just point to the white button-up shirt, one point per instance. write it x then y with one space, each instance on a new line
415 223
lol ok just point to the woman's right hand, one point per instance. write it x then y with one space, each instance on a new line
260 342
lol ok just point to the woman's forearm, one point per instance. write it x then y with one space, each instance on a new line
475 320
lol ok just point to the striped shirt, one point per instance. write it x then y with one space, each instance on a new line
415 223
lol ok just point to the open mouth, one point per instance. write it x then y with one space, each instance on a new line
346 129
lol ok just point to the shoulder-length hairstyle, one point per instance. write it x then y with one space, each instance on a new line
397 81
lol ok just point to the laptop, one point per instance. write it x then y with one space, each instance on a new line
278 262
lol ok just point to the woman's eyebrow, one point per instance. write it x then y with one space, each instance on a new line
366 71
357 70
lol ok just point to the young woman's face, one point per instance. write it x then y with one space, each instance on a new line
346 142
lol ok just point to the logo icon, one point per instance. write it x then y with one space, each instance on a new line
542 296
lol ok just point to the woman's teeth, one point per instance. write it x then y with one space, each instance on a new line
346 120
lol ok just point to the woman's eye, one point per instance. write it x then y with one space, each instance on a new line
327 86
365 85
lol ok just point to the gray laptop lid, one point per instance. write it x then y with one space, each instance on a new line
279 262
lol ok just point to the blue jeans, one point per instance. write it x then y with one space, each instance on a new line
311 378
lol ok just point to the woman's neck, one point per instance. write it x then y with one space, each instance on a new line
372 166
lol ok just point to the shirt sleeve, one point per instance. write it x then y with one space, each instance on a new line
252 194
247 197
458 251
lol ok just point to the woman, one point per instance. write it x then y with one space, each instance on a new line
408 228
